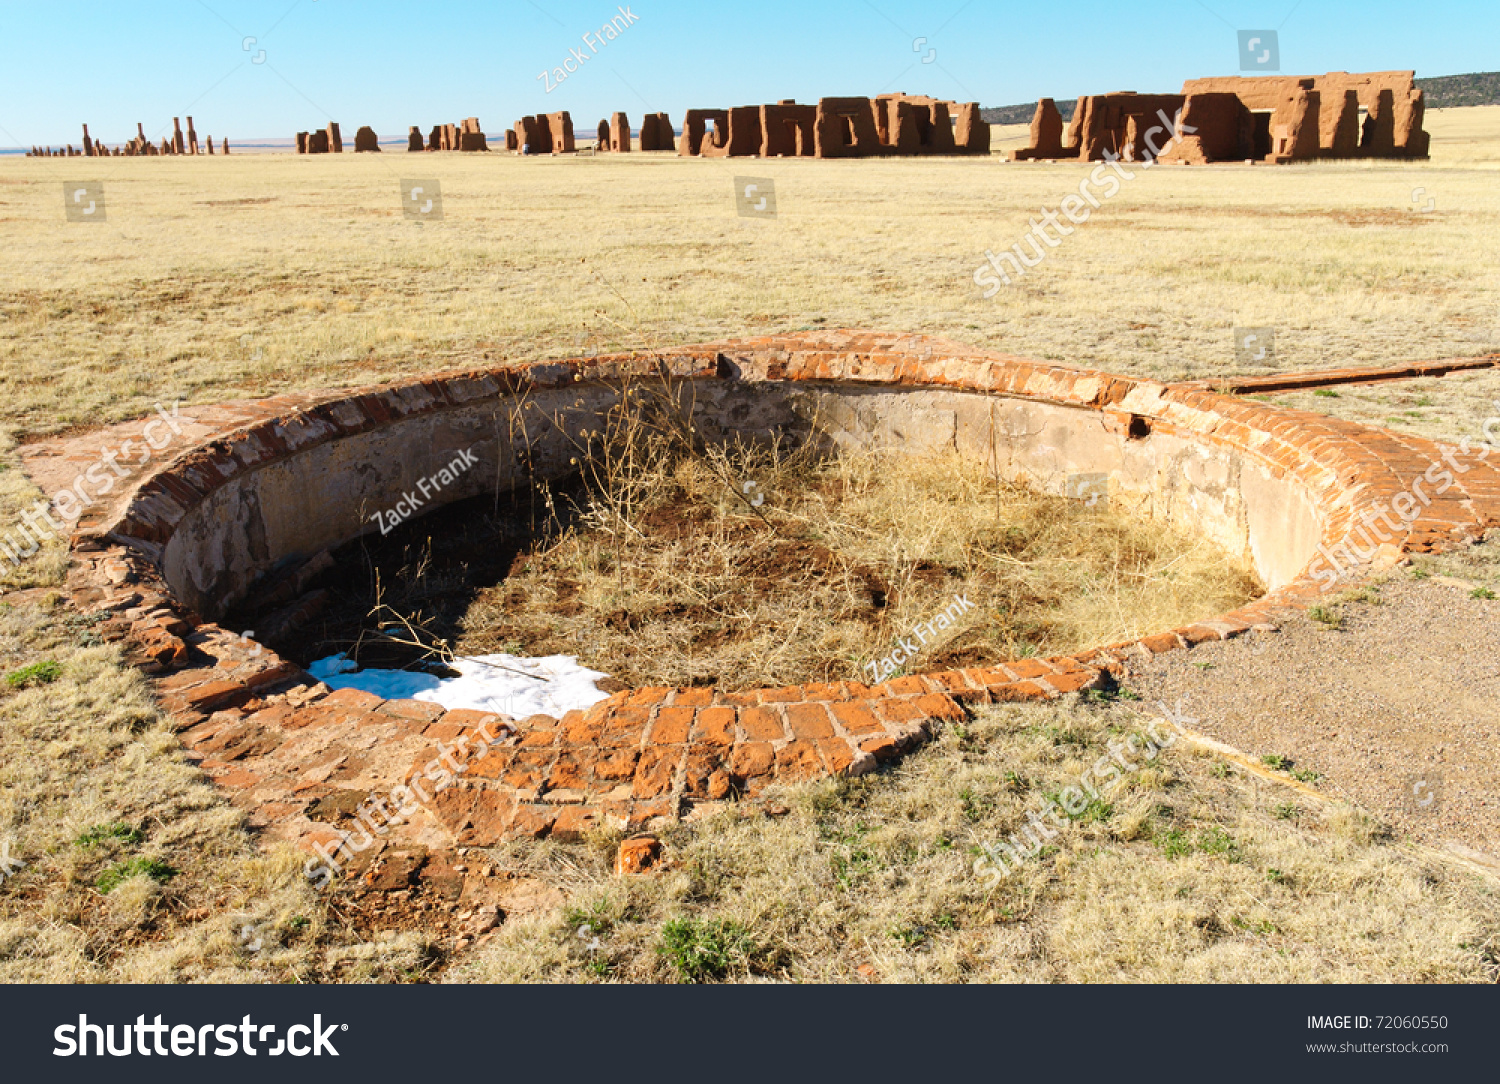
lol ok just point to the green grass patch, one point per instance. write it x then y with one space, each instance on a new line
38 673
121 872
101 833
702 950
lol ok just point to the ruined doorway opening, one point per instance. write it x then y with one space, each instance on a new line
1261 144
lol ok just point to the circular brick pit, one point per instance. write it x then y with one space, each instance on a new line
257 491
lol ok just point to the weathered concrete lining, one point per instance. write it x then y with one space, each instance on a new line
294 507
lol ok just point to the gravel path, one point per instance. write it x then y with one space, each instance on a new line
1399 711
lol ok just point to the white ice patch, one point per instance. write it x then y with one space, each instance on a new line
504 684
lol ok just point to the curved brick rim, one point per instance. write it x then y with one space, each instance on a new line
301 759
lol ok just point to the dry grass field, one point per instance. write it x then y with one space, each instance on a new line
248 276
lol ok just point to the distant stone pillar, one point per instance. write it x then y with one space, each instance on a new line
414 139
210 143
301 142
224 145
178 146
192 138
619 133
88 145
366 141
603 135
335 141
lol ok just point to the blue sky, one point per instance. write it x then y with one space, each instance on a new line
394 63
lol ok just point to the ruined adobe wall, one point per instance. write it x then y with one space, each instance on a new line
1311 117
889 125
1395 109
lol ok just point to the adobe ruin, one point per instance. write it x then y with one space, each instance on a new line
139 146
328 141
886 125
366 141
545 133
1274 119
656 133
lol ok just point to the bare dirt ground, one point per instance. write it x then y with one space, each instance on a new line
1392 702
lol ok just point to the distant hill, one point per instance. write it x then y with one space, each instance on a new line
1447 91
1443 92
1022 114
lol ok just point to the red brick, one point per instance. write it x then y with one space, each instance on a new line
935 706
693 698
797 761
856 718
836 754
528 769
654 774
1028 668
701 763
788 695
752 759
581 729
715 726
532 821
643 813
1018 690
420 711
493 765
573 822
952 681
353 698
809 721
761 725
1070 683
213 695
474 720
443 731
618 765
626 720
822 691
238 779
899 711
908 686
1161 643
570 772
672 726
882 747
538 739
648 696
487 819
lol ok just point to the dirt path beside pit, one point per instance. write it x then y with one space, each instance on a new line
1407 692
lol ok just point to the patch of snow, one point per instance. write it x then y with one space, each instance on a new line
504 684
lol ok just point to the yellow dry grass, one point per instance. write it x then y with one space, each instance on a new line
92 780
253 274
1188 872
689 584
